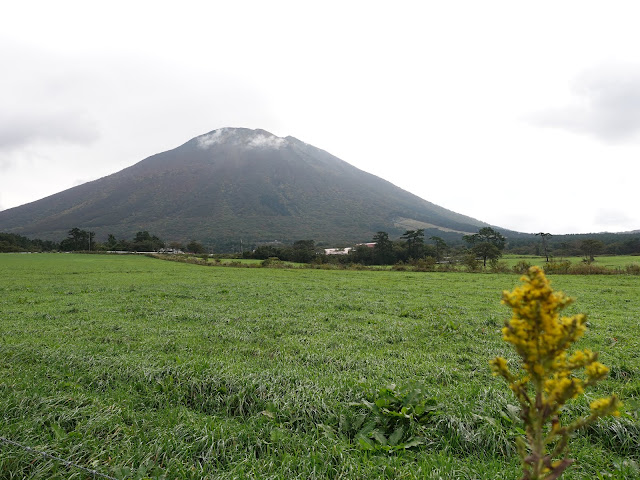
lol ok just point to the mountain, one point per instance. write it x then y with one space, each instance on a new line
232 184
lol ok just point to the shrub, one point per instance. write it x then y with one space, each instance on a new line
557 267
521 267
499 267
399 266
471 262
446 267
427 264
272 262
633 269
590 269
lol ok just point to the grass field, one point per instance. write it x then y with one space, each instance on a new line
619 261
142 368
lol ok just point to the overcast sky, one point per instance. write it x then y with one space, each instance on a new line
525 115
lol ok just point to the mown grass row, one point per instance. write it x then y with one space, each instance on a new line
138 368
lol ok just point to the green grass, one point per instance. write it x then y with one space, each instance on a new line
139 367
618 261
224 262
241 261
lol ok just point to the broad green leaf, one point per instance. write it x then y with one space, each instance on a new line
396 436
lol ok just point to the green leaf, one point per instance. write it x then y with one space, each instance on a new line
367 429
276 435
379 436
357 422
365 443
396 436
367 404
328 431
414 442
58 431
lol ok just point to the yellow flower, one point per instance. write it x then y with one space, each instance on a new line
499 366
536 330
605 406
596 371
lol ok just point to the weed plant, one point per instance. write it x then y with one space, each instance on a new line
542 337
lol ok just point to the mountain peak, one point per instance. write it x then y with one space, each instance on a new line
237 183
241 137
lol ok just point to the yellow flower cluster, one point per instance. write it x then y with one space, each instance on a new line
536 330
605 406
541 338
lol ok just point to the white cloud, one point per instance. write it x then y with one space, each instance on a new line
6 162
18 130
213 138
610 217
606 105
261 140
247 139
43 99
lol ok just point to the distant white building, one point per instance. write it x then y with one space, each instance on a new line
337 251
170 250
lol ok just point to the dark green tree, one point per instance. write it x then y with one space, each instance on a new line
176 246
112 243
267 251
591 247
383 249
487 244
545 245
195 247
440 247
631 246
77 240
362 254
565 249
145 242
414 242
303 251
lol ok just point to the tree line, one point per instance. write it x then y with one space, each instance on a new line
411 247
11 242
79 240
576 245
487 245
